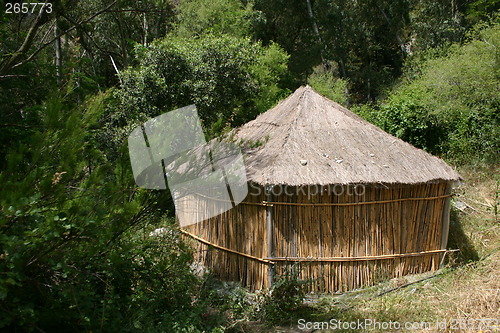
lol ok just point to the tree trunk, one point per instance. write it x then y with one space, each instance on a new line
316 32
398 38
145 27
57 46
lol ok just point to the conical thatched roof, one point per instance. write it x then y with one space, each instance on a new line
308 139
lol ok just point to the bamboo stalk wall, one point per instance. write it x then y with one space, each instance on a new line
339 225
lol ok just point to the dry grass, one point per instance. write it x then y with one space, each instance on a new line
473 290
480 194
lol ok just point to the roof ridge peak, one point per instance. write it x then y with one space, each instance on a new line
339 146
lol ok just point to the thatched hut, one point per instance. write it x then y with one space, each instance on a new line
348 202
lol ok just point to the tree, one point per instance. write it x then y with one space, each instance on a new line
357 41
229 79
288 24
451 107
436 23
199 17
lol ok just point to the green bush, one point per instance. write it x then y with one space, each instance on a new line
285 296
75 252
328 85
409 120
229 79
451 107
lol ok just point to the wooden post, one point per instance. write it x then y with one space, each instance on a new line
294 226
446 221
269 220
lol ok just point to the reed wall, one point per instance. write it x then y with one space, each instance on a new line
341 238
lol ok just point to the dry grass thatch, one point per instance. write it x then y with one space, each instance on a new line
309 139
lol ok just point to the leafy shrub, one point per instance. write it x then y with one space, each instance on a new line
451 108
229 79
232 302
410 121
74 253
286 295
328 85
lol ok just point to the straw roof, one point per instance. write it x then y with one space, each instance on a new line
308 139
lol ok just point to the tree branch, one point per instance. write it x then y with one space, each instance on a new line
25 46
8 76
400 41
62 34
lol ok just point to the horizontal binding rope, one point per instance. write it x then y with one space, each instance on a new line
263 203
365 258
267 261
271 261
269 203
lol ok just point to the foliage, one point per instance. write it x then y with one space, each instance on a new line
367 39
111 36
75 252
229 79
286 296
229 300
481 9
93 34
287 24
358 41
328 85
75 246
219 17
404 117
451 108
435 23
236 306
